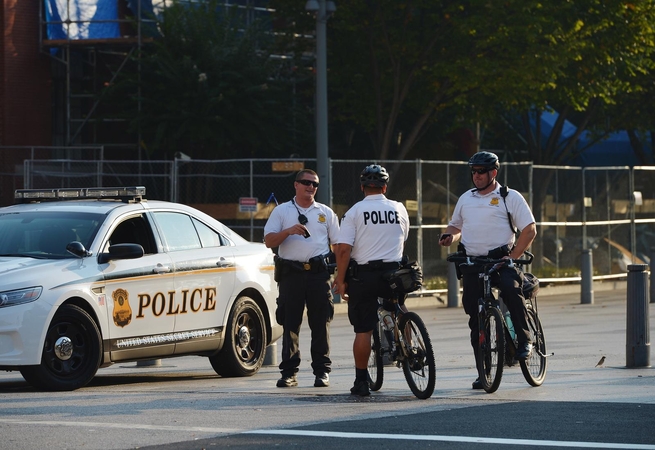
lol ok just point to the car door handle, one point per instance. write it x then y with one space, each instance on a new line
225 263
160 268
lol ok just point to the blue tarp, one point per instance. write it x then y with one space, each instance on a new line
615 150
89 19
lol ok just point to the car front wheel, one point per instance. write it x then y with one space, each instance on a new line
244 348
72 352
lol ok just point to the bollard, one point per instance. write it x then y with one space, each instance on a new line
652 271
453 287
587 281
637 347
270 358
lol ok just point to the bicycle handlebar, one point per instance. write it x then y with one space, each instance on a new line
460 258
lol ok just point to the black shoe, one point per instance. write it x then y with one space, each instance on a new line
524 351
477 384
287 381
360 388
322 380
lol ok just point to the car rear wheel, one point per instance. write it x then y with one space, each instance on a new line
72 352
244 348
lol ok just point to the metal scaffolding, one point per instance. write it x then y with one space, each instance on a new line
82 68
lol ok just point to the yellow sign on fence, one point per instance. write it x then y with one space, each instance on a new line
288 166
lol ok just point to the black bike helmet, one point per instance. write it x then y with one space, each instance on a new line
484 159
374 176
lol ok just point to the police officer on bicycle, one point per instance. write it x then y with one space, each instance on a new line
303 229
371 242
485 219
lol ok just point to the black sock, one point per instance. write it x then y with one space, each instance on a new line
361 374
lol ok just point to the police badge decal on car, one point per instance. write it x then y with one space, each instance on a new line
122 311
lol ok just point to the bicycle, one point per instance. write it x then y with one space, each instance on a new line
406 343
497 345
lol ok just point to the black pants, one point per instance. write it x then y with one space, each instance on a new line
509 280
297 291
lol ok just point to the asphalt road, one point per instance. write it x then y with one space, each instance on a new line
183 404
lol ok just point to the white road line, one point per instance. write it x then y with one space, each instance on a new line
467 439
123 426
333 434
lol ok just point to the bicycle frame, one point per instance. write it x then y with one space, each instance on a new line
408 346
495 341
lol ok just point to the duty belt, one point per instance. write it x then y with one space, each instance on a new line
371 267
316 264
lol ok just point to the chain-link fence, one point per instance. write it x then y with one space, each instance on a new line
610 210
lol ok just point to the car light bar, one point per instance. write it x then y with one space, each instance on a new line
126 194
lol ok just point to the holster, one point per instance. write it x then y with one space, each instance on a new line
352 271
331 260
462 251
499 252
281 269
318 264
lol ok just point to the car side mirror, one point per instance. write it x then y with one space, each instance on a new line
77 249
121 251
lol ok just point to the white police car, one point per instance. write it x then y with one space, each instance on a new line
90 277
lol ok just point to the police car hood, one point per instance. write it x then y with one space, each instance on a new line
14 265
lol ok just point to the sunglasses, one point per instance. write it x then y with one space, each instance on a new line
480 171
308 183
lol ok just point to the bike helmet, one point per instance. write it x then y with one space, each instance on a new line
374 176
484 159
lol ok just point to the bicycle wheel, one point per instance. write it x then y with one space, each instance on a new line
375 362
418 356
534 368
491 351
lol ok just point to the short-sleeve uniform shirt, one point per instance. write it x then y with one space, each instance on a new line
483 219
322 224
376 228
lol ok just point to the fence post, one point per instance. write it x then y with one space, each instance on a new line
637 347
587 280
453 287
652 271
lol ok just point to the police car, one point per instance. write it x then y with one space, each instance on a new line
90 277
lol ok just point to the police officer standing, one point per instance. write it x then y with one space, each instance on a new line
303 230
373 234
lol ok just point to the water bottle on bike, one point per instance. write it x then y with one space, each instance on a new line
385 316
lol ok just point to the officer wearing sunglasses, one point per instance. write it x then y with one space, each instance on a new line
486 219
303 231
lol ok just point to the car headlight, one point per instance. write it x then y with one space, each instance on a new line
11 298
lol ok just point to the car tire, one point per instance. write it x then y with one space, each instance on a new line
72 352
244 347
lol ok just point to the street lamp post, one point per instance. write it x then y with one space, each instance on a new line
323 10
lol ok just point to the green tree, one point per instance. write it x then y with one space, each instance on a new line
607 48
399 69
209 88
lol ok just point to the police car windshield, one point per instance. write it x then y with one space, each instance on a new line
40 234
